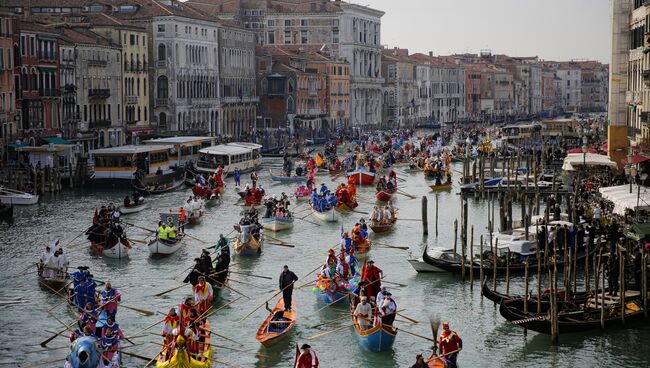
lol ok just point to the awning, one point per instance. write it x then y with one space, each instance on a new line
579 150
21 144
590 159
636 159
638 232
55 140
620 196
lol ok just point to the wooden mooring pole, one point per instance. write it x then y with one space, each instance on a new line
425 221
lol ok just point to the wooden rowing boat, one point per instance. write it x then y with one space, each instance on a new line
180 358
164 247
277 224
376 339
347 206
360 177
133 208
327 216
249 248
272 329
117 250
380 228
287 179
385 195
440 187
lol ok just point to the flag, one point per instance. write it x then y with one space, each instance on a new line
363 269
319 160
295 362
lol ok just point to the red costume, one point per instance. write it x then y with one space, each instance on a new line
307 360
371 275
449 343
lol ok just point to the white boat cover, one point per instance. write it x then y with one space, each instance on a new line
620 195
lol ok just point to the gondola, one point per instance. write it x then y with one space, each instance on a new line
570 321
250 247
287 179
180 358
376 339
278 324
218 279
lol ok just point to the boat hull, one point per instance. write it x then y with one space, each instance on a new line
377 339
161 247
287 179
19 200
118 251
270 338
329 298
329 216
420 265
441 187
133 209
251 248
384 196
277 224
361 178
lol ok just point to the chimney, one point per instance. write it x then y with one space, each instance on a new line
431 54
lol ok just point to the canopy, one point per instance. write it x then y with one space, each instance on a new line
579 150
55 140
589 159
636 159
623 200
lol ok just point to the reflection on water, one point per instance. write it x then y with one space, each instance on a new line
489 341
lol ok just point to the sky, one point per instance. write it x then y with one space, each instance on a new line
551 29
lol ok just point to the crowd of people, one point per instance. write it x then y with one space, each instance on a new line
277 206
323 200
53 264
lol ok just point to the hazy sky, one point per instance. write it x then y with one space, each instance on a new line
550 29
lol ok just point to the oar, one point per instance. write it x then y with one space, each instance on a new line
44 343
390 246
330 321
310 272
266 301
42 364
170 290
252 275
414 334
145 312
332 303
311 222
76 237
21 273
247 283
282 245
406 194
221 308
361 212
329 332
408 318
307 284
136 355
405 219
276 239
225 338
195 238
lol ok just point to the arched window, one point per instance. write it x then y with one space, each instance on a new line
162 120
291 86
162 52
162 87
291 106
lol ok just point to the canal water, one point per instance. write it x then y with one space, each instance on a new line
489 341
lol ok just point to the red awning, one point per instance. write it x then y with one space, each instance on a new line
579 150
636 159
604 146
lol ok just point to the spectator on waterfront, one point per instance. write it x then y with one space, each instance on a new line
613 273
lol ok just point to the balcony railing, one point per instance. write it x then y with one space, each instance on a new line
132 99
69 88
162 102
3 117
99 63
645 117
161 63
99 123
49 92
47 56
99 93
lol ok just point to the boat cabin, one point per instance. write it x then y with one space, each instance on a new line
245 156
521 133
120 163
186 149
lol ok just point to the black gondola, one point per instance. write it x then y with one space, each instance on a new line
6 211
570 320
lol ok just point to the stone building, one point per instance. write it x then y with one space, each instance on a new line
237 79
8 131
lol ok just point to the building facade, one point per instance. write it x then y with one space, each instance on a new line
8 131
237 80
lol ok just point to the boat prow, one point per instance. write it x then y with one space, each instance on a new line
274 329
165 247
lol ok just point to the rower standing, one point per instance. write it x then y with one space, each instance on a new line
449 345
110 297
203 295
287 279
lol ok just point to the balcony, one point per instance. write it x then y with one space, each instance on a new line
645 117
97 63
162 102
646 77
69 88
99 93
313 93
313 112
49 92
161 64
99 124
132 99
47 56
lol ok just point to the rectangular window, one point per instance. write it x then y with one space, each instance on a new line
304 36
85 112
335 36
32 46
271 22
132 39
270 38
304 22
161 28
287 23
2 58
287 37
23 45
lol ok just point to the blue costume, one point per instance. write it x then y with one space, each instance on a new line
348 244
78 277
237 175
80 296
323 189
90 292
